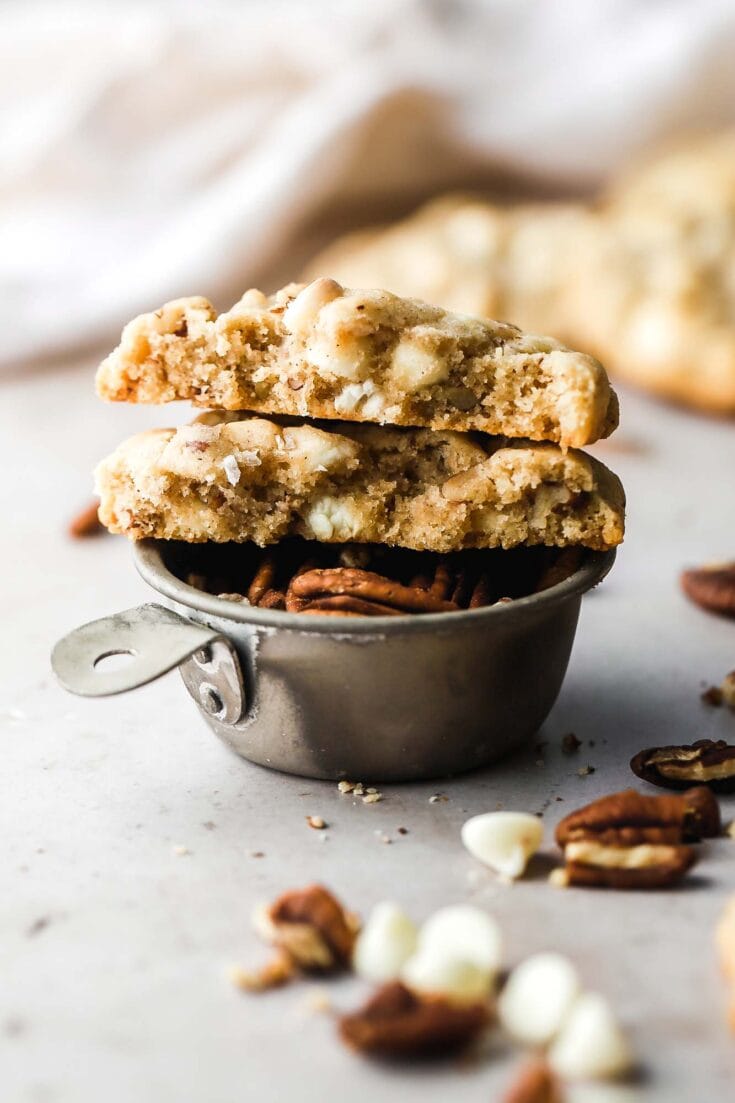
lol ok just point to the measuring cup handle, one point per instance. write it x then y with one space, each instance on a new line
155 639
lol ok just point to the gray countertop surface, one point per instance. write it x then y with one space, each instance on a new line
115 944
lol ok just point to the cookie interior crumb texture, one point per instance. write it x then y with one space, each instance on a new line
325 351
231 477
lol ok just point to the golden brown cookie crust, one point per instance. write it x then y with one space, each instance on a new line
324 351
241 478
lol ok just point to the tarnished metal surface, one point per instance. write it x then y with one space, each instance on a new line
151 639
380 698
388 699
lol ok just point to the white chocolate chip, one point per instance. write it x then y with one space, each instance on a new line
537 998
319 451
373 406
457 980
330 519
384 944
462 931
302 311
250 457
503 840
414 367
231 469
591 1044
352 395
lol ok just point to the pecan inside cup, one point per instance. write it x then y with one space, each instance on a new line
371 580
709 762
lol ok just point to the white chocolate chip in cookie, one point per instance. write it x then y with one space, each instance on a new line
414 367
301 313
352 395
330 519
319 451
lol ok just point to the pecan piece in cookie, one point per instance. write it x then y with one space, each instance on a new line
311 926
712 588
396 1022
709 762
535 1083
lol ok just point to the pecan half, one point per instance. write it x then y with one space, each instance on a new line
711 588
352 582
395 1022
643 866
86 522
628 840
695 812
312 926
535 1083
345 604
262 579
709 762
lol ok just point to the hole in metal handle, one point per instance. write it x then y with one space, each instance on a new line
114 660
127 650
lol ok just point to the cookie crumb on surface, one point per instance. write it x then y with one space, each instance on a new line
570 744
584 771
316 822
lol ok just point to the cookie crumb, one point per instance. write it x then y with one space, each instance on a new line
345 786
279 970
712 696
316 822
436 798
585 771
181 851
570 744
730 830
318 1002
403 831
372 798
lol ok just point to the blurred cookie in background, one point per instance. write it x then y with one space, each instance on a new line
659 298
644 279
473 256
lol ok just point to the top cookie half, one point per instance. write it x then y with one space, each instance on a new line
324 351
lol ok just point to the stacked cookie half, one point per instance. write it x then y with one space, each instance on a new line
344 416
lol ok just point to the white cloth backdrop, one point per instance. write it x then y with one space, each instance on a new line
151 150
